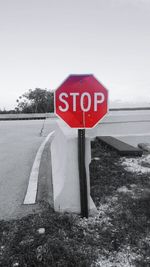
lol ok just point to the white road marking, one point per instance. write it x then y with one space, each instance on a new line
30 197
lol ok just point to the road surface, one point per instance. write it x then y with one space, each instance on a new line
19 143
132 127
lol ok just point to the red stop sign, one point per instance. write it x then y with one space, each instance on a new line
81 101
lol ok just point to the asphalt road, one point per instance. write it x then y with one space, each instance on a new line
132 127
19 143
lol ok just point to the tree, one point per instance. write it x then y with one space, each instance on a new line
36 101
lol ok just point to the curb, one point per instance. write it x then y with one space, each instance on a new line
30 197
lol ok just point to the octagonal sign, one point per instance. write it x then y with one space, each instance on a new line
81 101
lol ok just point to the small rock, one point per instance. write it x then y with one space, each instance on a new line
26 241
133 186
41 231
144 146
123 189
15 264
145 164
96 158
114 199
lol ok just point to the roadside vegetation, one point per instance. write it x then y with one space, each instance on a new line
118 235
33 101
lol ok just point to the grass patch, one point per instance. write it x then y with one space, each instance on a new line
62 244
117 236
127 210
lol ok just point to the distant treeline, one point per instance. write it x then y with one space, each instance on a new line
4 111
34 101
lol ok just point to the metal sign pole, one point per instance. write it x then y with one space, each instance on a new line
82 173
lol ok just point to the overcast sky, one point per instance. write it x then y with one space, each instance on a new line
43 41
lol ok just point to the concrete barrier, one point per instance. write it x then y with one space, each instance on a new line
28 116
65 174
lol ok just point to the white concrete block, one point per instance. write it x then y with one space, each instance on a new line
65 173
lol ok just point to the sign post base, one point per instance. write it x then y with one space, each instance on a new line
82 173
